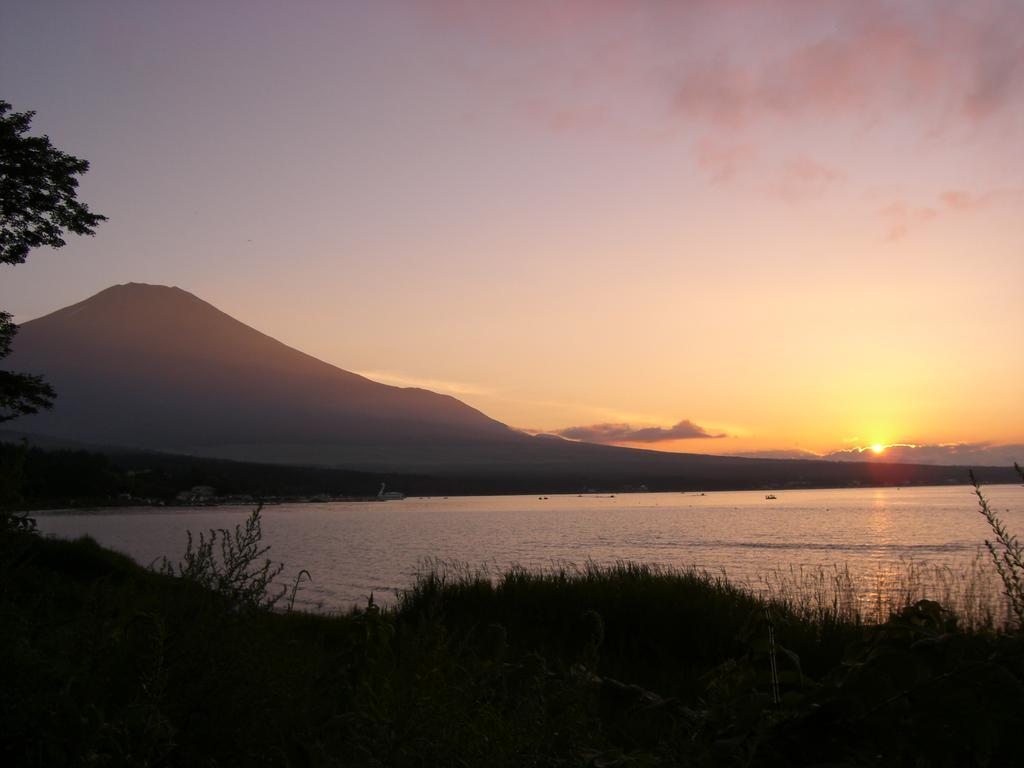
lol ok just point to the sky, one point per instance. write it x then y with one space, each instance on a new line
711 226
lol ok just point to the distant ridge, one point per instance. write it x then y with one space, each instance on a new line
150 367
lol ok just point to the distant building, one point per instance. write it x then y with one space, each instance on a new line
196 494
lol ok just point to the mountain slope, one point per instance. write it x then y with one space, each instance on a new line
146 366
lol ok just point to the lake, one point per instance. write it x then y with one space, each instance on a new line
353 549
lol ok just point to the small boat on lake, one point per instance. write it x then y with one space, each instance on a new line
771 497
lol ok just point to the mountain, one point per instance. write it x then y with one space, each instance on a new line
146 366
152 368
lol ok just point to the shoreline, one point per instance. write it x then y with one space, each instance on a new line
251 500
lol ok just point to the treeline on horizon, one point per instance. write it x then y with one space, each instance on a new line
33 477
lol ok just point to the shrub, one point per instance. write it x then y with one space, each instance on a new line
228 563
1007 553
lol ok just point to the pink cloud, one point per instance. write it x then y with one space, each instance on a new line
824 58
997 68
900 217
875 59
964 201
948 65
569 119
801 177
721 160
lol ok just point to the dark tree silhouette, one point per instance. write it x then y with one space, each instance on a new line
38 205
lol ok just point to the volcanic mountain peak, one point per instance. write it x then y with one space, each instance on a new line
151 366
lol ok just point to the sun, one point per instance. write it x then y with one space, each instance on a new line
877 448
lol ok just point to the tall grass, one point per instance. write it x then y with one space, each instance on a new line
1006 552
971 591
658 626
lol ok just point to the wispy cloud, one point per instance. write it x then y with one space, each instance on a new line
817 59
976 454
625 433
964 201
900 217
802 177
436 385
870 56
723 160
782 453
958 454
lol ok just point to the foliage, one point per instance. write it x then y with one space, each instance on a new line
38 190
1006 551
12 473
7 331
33 478
74 478
38 205
228 563
16 522
21 394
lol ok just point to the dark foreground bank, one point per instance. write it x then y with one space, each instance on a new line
107 663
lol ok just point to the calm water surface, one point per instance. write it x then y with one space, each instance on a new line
353 549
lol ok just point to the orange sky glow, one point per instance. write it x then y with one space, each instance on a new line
714 227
